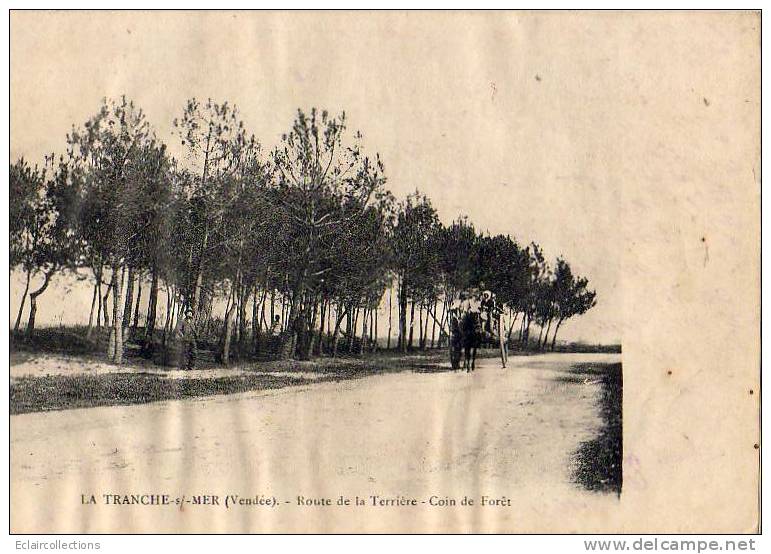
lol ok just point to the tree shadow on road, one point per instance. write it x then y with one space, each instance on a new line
432 368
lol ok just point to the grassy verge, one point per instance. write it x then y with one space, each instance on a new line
598 462
60 392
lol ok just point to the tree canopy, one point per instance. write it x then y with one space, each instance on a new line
308 228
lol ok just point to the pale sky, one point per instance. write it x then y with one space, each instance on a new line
520 121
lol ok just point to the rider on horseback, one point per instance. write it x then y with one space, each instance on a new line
490 310
474 321
457 304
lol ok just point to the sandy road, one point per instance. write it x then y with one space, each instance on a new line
495 432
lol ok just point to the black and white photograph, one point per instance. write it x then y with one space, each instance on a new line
384 272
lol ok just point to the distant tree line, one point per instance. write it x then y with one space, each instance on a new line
306 231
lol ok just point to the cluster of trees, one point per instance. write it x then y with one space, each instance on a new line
237 235
434 262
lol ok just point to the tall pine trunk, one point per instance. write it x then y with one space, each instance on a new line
105 313
336 334
255 321
514 316
352 333
433 325
556 330
546 337
242 318
426 323
199 271
322 319
390 295
24 300
115 346
169 309
421 336
91 313
95 299
263 323
137 303
412 325
402 317
363 331
316 317
33 302
99 302
127 307
376 344
152 308
228 332
526 332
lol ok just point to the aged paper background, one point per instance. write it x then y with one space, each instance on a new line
660 118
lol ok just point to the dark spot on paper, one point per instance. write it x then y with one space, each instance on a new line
703 239
706 102
538 78
756 446
493 90
669 372
752 391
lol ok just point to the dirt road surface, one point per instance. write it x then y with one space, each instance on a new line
428 436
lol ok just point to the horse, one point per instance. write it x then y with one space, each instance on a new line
471 338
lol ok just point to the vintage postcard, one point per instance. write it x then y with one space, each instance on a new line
384 272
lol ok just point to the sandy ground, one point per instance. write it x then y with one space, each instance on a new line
504 433
41 365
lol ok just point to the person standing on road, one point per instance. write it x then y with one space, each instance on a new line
189 340
274 343
275 328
